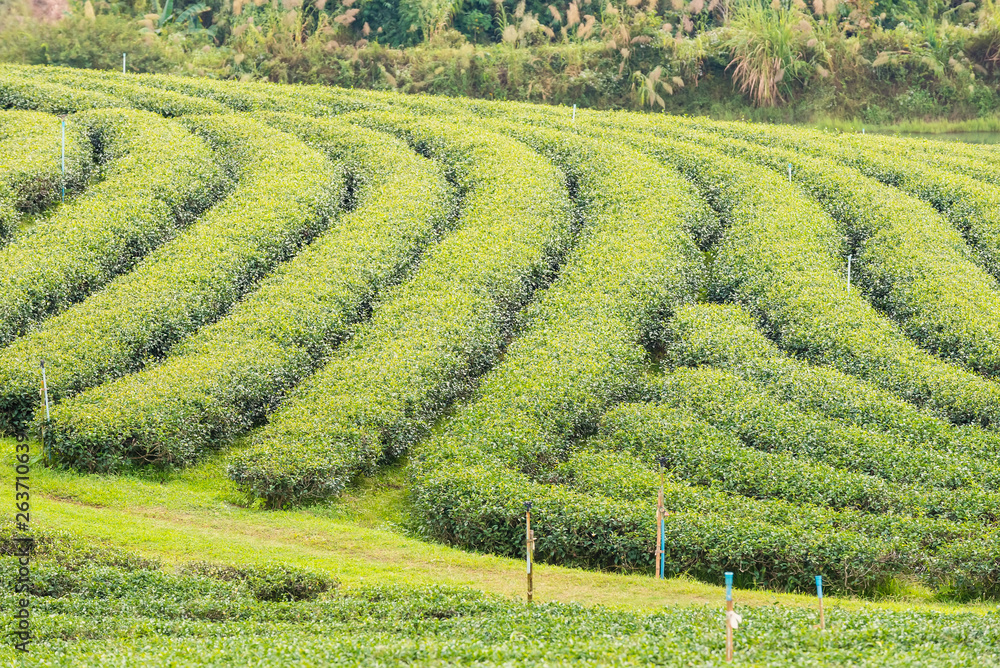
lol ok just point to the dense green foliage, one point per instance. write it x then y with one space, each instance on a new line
431 336
31 171
874 61
533 305
221 381
96 606
188 282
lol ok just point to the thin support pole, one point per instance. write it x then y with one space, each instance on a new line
663 539
659 530
661 534
45 399
819 594
63 159
574 114
123 63
729 624
45 390
529 544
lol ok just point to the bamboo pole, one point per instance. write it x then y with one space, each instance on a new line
529 545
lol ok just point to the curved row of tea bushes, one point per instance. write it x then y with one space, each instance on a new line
764 422
429 337
622 468
464 497
704 448
971 206
285 195
18 91
582 351
31 176
230 374
909 261
238 97
156 178
779 256
122 88
725 336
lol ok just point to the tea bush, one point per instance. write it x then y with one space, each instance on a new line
230 374
189 281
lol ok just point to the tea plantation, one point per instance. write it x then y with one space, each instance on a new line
261 298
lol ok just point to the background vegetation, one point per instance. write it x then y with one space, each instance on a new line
875 61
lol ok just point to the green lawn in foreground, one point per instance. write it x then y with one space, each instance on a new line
398 599
197 514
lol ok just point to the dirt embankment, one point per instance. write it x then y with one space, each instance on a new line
48 10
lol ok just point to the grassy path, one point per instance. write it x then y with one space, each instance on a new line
359 539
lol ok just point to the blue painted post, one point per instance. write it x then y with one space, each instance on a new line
661 538
663 546
729 625
819 593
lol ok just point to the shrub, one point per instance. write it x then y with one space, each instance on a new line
156 178
768 424
431 336
123 89
910 263
725 336
780 257
583 348
270 582
31 175
20 92
230 374
185 284
466 499
621 465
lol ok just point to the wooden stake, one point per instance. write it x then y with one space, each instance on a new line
819 593
729 609
529 545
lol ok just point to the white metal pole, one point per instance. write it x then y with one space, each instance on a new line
63 121
45 391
